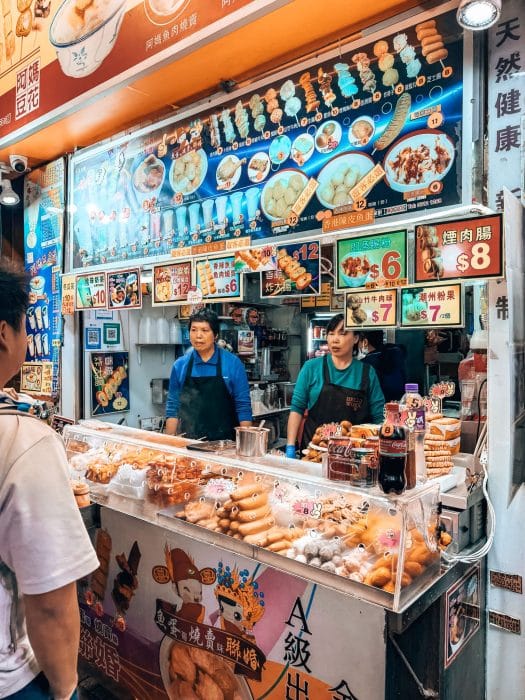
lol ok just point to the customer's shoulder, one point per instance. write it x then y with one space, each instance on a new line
20 434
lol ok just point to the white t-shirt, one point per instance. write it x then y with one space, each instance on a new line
43 540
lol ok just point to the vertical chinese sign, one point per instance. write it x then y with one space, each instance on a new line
44 195
506 102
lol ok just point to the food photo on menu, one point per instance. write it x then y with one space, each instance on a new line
380 126
124 289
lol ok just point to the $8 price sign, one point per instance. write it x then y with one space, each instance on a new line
477 259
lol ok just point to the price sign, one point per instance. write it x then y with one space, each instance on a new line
373 262
464 249
68 295
298 271
217 278
371 309
171 283
91 291
432 306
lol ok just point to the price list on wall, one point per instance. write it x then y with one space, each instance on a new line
171 283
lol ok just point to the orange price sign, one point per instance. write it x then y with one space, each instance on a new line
375 308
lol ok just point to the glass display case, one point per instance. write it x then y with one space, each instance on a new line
356 540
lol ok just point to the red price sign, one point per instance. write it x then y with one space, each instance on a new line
371 309
374 261
91 291
464 249
171 283
432 306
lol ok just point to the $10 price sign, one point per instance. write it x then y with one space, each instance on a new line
91 291
465 249
372 262
371 309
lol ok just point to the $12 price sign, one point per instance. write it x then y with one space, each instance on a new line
371 309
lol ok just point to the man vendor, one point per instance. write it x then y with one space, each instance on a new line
333 388
208 393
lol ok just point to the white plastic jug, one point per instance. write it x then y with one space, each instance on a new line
146 330
163 331
175 332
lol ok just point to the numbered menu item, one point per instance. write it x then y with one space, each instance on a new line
124 289
109 382
171 283
379 260
432 306
91 292
466 249
371 309
298 271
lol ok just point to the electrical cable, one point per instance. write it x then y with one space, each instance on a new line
480 452
478 400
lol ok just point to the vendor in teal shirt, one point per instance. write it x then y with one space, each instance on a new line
333 388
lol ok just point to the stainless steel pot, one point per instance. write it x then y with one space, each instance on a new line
251 442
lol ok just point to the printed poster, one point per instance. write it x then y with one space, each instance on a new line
171 283
124 289
371 309
44 197
167 602
109 382
217 279
462 613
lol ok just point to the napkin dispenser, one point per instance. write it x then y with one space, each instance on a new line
159 391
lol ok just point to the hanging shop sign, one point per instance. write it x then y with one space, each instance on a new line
124 289
376 129
251 631
432 306
91 292
465 249
371 309
321 302
44 196
171 283
54 53
216 279
298 271
109 382
376 261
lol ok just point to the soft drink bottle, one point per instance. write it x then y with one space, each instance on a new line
392 452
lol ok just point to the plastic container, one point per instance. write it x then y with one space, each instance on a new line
413 411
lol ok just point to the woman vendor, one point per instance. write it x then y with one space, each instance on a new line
333 388
208 393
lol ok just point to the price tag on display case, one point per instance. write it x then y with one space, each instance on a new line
372 262
171 283
91 291
432 306
371 309
466 249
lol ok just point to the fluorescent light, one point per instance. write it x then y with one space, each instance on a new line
8 196
478 14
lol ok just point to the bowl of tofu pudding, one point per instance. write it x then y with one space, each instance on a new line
84 32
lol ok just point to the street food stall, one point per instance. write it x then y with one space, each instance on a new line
341 183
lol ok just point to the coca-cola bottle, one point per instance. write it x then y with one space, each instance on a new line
392 452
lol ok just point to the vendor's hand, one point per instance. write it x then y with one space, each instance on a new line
290 451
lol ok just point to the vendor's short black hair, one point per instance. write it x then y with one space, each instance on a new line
14 295
206 316
375 338
334 322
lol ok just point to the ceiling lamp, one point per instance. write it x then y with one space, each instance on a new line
8 196
478 14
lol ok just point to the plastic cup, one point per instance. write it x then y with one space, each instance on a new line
31 345
167 221
252 202
38 317
220 204
207 213
45 316
31 317
236 202
180 215
38 344
45 343
195 216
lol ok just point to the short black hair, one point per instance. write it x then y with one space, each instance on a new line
334 322
375 338
206 316
14 294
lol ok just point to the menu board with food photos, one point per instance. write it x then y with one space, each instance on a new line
464 249
217 279
109 382
298 271
171 283
376 128
440 305
372 261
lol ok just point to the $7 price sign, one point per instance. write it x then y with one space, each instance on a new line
373 309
